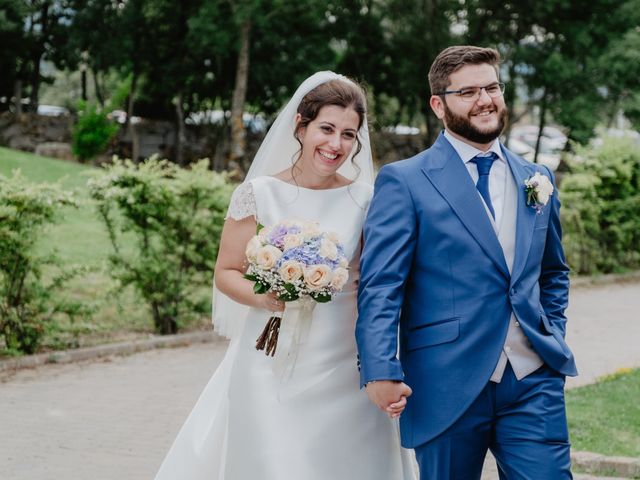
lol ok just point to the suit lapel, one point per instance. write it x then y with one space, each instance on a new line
526 216
449 176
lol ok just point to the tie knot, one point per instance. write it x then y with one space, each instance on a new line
484 162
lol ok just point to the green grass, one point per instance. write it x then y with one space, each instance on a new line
80 238
605 417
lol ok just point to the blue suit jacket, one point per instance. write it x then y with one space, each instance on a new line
433 274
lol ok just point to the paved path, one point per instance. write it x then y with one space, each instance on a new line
116 419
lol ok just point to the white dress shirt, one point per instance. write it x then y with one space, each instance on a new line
503 190
497 174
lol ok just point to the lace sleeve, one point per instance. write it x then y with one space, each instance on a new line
243 202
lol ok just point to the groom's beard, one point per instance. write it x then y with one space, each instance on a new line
462 126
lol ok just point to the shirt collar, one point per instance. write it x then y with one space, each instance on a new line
467 152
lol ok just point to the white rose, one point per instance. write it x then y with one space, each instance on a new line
317 276
252 248
542 196
533 180
542 187
340 276
333 236
293 240
267 257
310 230
344 263
328 249
545 189
290 271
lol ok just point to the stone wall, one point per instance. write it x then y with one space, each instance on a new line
51 136
27 131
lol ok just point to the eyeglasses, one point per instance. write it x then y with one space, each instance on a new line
472 94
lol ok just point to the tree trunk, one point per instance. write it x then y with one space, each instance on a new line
434 125
97 88
613 112
84 56
35 84
83 83
180 139
129 126
37 57
510 100
543 114
17 94
238 134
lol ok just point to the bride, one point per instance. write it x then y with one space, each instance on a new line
307 420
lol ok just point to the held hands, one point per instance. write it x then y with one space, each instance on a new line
389 396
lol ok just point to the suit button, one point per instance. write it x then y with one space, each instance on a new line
513 292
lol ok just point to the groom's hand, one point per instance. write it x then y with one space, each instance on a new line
389 396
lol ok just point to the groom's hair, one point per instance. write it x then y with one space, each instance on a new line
453 59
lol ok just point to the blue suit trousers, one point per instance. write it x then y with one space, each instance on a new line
522 422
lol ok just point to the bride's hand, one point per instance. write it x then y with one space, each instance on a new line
270 302
390 396
395 409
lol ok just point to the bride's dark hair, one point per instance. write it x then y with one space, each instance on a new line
345 94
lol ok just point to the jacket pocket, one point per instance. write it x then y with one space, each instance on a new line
434 334
546 325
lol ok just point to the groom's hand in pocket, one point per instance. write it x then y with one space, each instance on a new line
389 396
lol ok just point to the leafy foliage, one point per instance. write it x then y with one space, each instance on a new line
174 218
30 299
92 132
601 215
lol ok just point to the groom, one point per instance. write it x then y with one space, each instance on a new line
467 261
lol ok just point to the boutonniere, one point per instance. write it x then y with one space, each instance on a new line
539 190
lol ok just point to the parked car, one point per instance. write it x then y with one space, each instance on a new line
403 130
546 157
253 123
52 111
552 137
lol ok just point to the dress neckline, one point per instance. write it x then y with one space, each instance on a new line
310 189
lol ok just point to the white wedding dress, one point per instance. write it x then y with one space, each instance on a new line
314 423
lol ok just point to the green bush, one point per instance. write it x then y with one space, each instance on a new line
91 132
601 214
174 218
30 284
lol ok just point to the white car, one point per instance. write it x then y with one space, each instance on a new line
52 111
546 157
552 137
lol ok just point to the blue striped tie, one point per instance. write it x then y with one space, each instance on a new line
484 163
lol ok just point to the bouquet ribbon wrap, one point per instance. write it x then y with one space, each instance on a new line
294 331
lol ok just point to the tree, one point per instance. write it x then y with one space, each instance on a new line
45 31
13 52
419 30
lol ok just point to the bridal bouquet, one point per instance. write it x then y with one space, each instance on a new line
295 260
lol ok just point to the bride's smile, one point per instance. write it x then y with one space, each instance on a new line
327 142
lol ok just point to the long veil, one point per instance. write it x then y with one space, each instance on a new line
199 450
275 155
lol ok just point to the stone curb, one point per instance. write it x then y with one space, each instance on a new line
100 351
608 279
594 463
585 476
